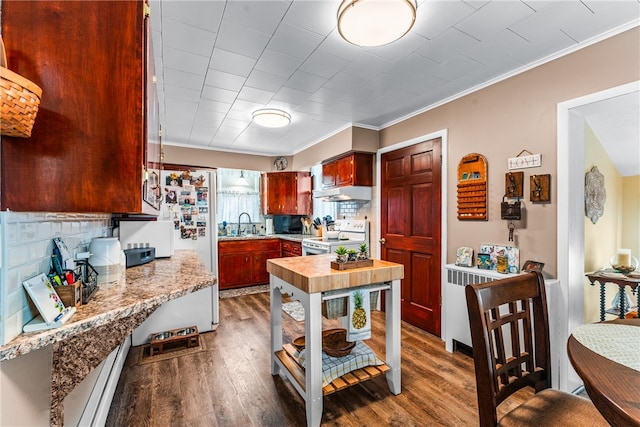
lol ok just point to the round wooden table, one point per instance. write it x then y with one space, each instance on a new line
613 387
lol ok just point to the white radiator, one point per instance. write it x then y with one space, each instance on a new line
456 320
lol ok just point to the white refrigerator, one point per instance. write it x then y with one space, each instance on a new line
188 203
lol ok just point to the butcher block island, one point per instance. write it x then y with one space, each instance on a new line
311 280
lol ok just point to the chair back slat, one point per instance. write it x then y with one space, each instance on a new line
510 337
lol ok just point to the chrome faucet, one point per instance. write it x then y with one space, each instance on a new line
240 216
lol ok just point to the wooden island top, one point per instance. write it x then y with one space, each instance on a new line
313 274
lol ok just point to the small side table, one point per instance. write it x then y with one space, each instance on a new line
620 280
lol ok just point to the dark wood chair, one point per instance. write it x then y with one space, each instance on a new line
517 307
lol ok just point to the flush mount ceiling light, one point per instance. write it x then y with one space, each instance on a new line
271 117
375 22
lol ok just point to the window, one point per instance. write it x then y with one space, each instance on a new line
321 208
238 191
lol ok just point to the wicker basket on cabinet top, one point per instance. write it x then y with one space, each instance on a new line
19 101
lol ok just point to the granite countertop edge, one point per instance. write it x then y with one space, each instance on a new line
290 237
144 288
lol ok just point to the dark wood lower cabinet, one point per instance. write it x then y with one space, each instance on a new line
290 248
244 262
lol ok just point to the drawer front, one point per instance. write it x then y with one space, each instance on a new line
249 245
291 248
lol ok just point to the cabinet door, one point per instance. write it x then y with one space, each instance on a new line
353 169
286 193
85 153
234 270
260 274
273 199
287 190
329 175
153 148
304 201
344 171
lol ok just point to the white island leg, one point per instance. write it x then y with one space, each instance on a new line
393 336
313 373
276 323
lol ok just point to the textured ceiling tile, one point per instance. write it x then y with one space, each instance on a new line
231 62
291 48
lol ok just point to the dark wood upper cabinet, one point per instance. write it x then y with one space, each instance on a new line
351 169
286 193
87 152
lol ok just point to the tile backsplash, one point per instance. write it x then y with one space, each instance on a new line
359 209
26 246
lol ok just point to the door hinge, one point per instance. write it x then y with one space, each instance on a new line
147 10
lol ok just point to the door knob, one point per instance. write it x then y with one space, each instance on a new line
383 241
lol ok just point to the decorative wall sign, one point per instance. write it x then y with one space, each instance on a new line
472 187
524 162
594 194
540 188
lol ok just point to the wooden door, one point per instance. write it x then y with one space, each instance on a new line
410 206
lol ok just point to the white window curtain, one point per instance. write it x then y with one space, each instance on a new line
233 199
320 208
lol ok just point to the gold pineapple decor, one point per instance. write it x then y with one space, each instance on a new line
359 316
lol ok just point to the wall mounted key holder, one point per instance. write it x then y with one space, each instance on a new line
513 184
540 188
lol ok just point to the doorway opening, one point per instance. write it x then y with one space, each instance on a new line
570 233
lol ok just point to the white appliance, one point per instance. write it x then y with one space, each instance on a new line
143 234
188 206
353 233
107 258
340 194
455 329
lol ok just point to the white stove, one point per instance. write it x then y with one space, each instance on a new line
353 233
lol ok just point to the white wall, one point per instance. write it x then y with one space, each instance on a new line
25 389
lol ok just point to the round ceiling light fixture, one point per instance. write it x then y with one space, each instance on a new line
375 22
271 117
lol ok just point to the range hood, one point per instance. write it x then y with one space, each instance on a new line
341 194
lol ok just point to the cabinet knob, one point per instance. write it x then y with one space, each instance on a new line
383 241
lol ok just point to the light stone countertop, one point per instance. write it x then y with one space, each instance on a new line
145 288
290 237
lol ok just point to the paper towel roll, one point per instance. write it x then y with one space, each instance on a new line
269 226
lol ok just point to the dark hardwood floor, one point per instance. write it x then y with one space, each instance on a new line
230 383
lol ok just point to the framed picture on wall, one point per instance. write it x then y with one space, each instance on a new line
532 266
